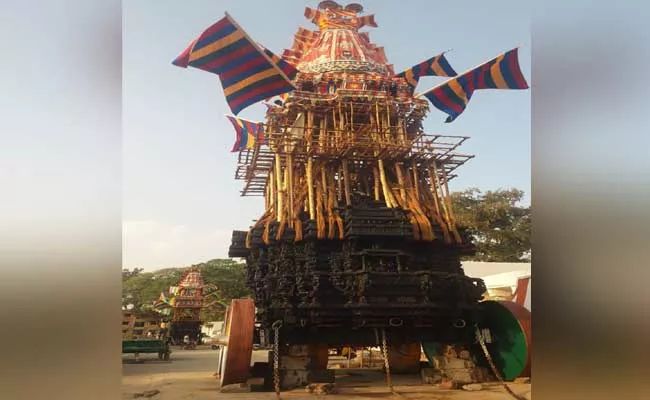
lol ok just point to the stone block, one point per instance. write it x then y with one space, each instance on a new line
291 379
473 387
455 363
480 374
431 376
448 384
439 362
459 375
322 376
290 362
450 352
236 388
465 355
321 389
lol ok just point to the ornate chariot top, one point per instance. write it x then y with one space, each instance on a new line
338 46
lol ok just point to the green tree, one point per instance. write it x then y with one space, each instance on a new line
127 274
229 277
500 226
141 289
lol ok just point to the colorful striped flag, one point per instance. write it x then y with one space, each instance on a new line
502 72
248 133
434 66
247 74
289 70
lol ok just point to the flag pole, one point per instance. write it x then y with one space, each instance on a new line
463 74
259 49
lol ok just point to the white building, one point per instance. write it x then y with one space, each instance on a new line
210 329
503 279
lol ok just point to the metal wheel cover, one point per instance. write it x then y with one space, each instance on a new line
510 326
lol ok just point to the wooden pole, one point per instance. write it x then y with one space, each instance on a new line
442 201
310 188
339 183
331 219
400 181
280 190
346 183
450 209
289 184
323 177
416 179
375 174
322 136
384 184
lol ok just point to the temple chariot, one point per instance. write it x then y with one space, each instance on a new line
357 243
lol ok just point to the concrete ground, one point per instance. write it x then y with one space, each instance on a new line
189 375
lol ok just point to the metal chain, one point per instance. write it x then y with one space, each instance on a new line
384 350
495 371
276 356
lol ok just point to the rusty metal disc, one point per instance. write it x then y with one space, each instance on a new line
235 357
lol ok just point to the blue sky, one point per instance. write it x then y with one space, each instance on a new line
180 201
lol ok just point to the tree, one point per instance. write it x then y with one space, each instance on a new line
126 274
230 279
141 289
500 226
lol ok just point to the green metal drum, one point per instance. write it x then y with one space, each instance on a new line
508 328
507 331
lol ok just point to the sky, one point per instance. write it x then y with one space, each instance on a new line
180 200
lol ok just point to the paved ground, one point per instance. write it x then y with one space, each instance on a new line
188 375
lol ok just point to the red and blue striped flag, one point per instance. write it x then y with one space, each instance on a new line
248 133
502 72
246 73
434 66
289 70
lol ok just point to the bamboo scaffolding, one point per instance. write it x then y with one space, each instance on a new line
416 179
289 187
388 197
452 217
320 218
310 188
349 148
376 187
279 187
442 200
331 197
346 183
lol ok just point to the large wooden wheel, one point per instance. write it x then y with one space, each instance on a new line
319 354
237 342
404 357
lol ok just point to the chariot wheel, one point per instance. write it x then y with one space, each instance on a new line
319 354
404 358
